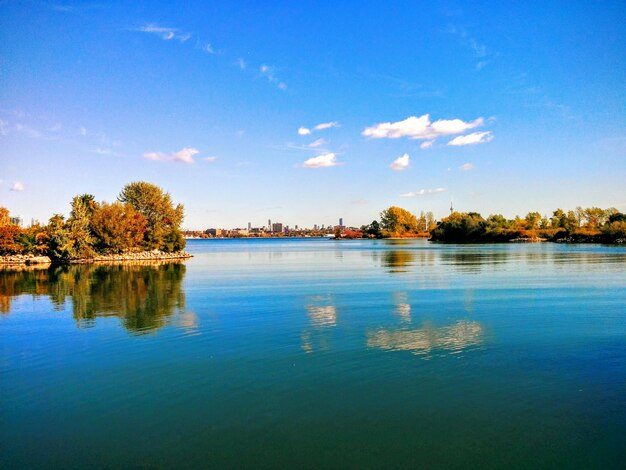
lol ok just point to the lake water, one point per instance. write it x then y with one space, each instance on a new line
314 354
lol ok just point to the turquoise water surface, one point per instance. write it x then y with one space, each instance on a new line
310 353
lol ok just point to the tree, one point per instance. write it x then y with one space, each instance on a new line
372 230
60 246
431 223
117 228
9 240
398 221
498 221
78 226
5 218
33 240
461 227
594 217
532 220
617 217
163 219
9 234
558 219
337 232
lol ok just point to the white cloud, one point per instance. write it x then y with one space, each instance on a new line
471 139
32 133
420 128
208 49
427 144
317 143
154 156
319 127
321 161
326 125
241 64
466 167
103 151
479 51
210 159
400 163
185 155
164 33
424 192
268 72
18 186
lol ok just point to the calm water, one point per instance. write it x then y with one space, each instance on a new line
316 354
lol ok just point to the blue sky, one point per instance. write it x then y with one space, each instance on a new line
304 112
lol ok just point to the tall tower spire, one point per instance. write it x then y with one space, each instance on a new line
451 205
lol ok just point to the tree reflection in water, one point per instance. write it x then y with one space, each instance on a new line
398 261
143 295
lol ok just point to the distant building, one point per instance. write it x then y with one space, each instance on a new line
17 221
249 226
215 232
341 222
277 227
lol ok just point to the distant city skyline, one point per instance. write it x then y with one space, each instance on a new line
309 112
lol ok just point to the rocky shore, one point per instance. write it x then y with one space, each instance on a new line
154 255
24 259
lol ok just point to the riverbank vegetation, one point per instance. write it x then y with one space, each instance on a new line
396 222
591 225
142 219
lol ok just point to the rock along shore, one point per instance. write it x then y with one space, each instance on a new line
154 255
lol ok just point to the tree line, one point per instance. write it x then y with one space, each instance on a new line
143 218
396 222
592 224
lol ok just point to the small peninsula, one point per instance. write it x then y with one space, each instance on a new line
143 224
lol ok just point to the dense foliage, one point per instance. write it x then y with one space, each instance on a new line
144 218
398 222
581 225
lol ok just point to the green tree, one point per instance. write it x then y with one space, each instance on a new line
498 221
398 221
33 240
595 217
532 220
461 227
78 227
60 246
372 230
617 217
558 219
163 219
